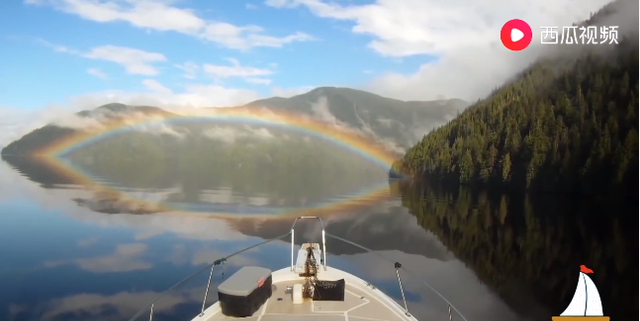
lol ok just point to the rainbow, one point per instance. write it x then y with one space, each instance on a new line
341 138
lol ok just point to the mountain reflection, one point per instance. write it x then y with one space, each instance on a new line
104 250
530 248
386 229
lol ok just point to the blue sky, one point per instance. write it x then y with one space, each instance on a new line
324 52
60 56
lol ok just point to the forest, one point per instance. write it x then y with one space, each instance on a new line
567 125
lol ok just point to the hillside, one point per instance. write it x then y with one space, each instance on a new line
382 119
401 121
44 136
567 124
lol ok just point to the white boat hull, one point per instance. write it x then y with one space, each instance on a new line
363 302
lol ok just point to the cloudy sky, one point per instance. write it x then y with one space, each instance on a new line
74 54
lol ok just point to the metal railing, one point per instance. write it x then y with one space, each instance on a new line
293 240
211 267
208 267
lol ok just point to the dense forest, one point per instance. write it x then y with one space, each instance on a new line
528 247
565 125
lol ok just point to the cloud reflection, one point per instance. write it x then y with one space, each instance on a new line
166 248
452 279
126 257
91 306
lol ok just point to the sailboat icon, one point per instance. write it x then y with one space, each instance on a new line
586 304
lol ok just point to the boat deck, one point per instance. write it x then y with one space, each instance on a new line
357 306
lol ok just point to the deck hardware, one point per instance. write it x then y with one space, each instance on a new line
397 266
323 262
206 292
323 259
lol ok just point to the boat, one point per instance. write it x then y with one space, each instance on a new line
585 304
307 289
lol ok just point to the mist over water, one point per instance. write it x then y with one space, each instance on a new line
74 252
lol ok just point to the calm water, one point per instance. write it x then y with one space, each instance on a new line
70 251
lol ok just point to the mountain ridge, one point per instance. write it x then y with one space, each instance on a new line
383 118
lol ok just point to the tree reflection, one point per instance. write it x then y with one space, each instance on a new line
531 246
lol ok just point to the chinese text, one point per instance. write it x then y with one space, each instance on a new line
584 35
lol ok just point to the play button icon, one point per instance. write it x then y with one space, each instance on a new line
516 35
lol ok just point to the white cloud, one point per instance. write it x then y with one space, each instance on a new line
119 306
87 242
135 61
126 257
162 16
192 95
155 86
234 70
258 81
230 134
14 186
475 300
290 92
97 73
190 69
251 6
56 47
461 34
16 122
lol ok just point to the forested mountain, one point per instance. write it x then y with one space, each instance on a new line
395 124
567 124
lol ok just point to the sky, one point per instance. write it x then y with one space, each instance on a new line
64 55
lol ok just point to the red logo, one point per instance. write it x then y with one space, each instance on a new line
516 35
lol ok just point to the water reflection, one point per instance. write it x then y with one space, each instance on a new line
528 249
66 260
209 190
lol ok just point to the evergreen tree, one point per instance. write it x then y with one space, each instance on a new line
572 131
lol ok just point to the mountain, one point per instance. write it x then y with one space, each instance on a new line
401 121
378 118
47 135
567 124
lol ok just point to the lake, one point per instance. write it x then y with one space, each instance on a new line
94 244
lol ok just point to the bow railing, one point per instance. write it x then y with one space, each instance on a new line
451 313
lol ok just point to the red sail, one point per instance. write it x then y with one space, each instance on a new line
585 269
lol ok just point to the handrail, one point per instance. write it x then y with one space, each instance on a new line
405 269
212 266
324 245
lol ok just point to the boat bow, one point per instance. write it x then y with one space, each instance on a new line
316 250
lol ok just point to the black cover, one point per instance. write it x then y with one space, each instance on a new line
329 291
245 306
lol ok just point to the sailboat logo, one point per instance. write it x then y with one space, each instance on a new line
586 304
